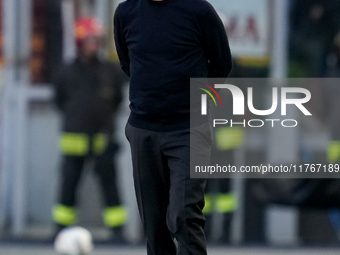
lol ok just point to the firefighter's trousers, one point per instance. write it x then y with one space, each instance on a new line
64 213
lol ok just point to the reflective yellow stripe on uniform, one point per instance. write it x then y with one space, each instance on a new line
333 152
74 144
100 142
64 215
226 203
208 207
228 138
115 216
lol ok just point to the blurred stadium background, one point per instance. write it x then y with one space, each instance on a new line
268 38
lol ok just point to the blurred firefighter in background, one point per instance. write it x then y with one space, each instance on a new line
219 195
88 93
332 111
333 105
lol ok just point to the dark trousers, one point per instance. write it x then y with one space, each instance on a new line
169 201
72 170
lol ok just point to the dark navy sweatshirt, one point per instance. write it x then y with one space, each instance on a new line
161 45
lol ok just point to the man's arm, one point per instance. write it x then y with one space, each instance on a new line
58 84
121 46
120 80
216 45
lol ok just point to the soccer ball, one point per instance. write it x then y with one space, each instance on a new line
74 241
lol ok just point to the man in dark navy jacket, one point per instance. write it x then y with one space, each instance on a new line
161 45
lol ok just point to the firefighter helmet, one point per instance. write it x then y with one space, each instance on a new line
87 27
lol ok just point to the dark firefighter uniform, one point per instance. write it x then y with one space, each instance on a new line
88 95
333 108
219 196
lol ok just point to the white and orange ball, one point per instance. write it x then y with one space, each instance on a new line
74 241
